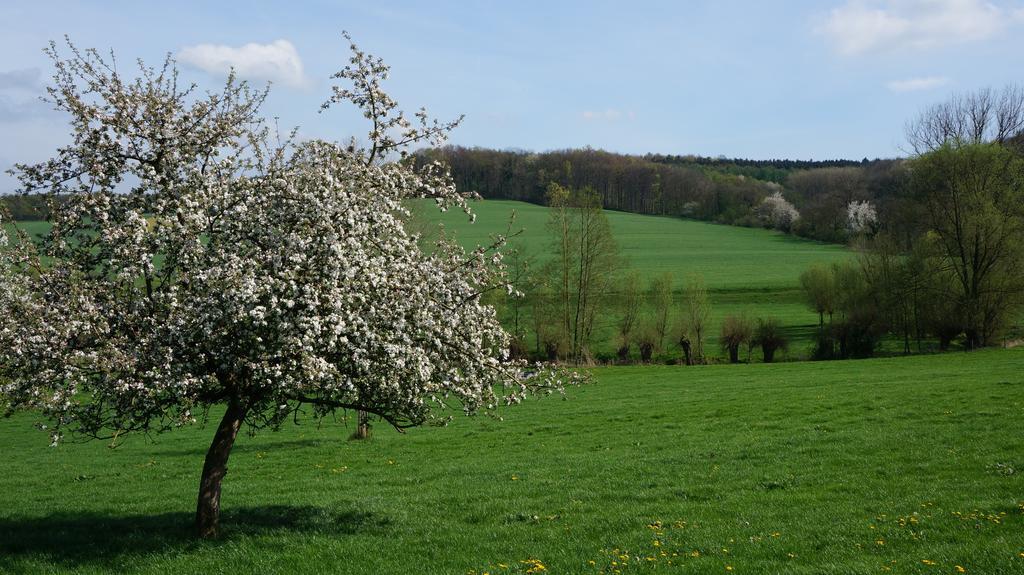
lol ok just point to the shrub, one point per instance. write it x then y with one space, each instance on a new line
646 342
736 331
770 338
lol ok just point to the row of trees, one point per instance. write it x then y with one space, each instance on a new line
817 194
585 285
625 183
23 207
959 272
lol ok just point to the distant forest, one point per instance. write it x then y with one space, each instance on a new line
727 191
722 190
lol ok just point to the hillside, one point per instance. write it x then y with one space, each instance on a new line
747 270
730 258
909 464
725 191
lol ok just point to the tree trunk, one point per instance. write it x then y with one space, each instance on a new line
734 353
214 470
362 426
769 353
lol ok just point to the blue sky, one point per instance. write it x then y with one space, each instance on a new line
796 79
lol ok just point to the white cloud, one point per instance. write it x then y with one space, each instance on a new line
610 115
916 84
862 26
277 61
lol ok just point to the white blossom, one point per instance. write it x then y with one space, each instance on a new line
776 212
192 263
861 217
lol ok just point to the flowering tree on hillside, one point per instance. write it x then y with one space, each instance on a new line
861 217
776 212
194 264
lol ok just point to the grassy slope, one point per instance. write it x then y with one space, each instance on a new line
35 228
747 270
838 467
730 258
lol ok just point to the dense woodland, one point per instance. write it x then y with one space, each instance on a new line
727 191
24 207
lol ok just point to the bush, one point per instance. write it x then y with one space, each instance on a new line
736 331
646 342
770 338
824 344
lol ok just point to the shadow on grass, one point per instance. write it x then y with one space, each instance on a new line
103 540
269 445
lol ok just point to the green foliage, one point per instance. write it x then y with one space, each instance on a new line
818 283
746 270
974 194
710 189
26 207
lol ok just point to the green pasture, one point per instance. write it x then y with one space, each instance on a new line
730 258
902 465
747 270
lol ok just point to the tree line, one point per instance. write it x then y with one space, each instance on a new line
723 191
956 277
555 304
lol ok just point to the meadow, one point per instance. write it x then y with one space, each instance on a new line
903 465
748 271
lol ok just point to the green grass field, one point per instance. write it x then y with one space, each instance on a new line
730 258
747 270
35 228
912 465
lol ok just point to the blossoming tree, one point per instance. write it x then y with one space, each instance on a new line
861 217
776 212
195 269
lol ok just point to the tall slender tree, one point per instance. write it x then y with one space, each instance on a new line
586 260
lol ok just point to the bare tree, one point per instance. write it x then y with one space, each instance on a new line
631 301
696 310
660 294
976 117
585 262
736 331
